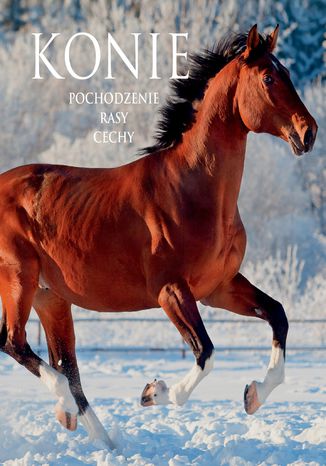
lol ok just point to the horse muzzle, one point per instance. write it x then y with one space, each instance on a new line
303 143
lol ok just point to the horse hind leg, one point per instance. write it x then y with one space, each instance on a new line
18 284
16 290
180 306
55 315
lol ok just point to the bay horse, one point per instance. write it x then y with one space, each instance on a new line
162 231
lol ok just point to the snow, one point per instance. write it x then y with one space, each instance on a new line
211 429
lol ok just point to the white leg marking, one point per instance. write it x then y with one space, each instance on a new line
59 386
179 393
95 430
274 376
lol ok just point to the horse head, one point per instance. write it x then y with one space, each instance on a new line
267 99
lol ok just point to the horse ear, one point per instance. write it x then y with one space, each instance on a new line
252 41
272 38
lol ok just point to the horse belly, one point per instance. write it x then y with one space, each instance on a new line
101 284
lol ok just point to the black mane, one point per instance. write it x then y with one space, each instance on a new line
178 114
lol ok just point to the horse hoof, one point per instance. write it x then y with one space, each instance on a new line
154 393
251 401
67 420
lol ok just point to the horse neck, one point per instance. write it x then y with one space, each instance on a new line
215 145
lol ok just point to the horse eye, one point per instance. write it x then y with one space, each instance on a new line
268 79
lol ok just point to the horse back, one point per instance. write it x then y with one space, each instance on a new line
85 226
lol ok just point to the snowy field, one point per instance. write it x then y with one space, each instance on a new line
211 429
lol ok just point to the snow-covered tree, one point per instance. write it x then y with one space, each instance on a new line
303 24
312 169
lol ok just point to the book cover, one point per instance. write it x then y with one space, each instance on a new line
166 158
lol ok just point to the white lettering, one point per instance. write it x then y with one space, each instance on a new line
40 55
97 55
122 55
154 55
113 137
176 54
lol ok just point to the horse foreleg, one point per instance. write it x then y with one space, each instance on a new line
180 306
56 318
241 297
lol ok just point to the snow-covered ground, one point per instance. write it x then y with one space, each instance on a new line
211 429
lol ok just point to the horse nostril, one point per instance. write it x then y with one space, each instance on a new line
308 139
